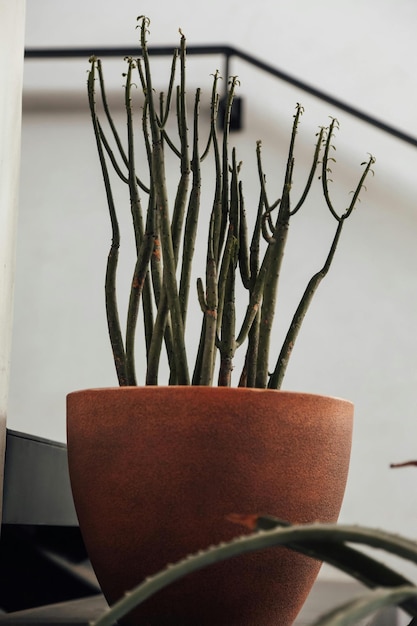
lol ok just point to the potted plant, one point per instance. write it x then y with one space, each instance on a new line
156 469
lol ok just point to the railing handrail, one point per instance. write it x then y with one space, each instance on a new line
228 52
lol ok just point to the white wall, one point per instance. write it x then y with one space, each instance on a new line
358 339
12 17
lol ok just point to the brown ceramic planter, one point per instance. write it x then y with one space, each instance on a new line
156 470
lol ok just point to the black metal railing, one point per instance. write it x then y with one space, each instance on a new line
228 52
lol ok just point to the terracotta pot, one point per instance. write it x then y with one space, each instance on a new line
156 470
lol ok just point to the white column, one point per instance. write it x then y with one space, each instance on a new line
12 21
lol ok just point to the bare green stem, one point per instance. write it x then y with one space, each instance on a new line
190 231
112 312
276 378
162 205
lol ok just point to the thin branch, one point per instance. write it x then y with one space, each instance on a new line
112 312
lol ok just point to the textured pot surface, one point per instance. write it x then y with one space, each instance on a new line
156 470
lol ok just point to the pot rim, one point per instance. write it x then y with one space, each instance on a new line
207 389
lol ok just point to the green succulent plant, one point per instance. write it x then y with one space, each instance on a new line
165 231
330 543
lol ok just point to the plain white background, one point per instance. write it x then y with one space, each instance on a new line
359 339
